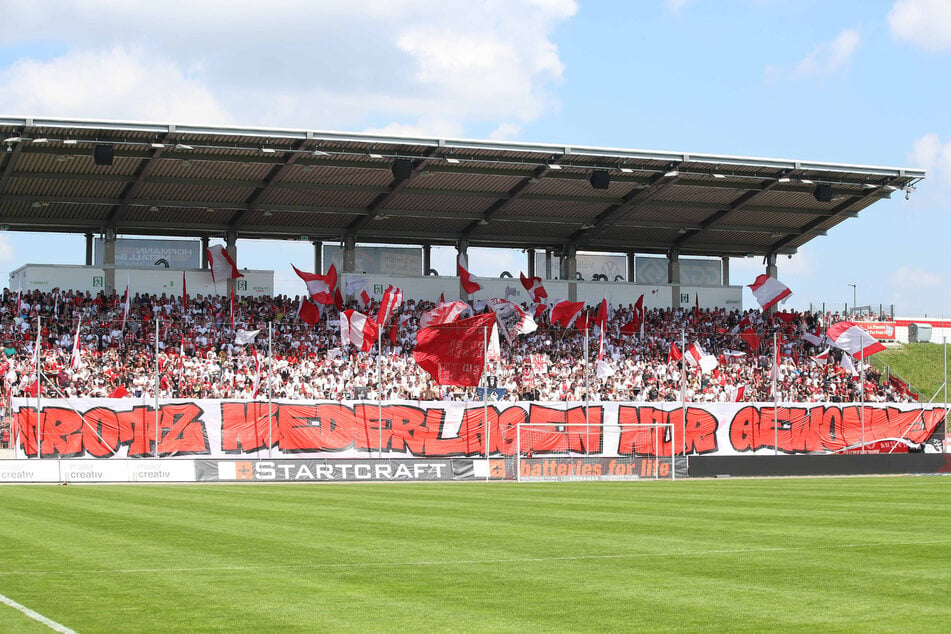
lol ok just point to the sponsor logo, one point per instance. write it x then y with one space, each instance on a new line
315 470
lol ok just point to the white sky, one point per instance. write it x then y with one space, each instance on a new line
849 81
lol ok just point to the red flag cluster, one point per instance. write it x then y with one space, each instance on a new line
454 353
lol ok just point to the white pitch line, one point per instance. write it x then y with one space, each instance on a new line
466 562
36 616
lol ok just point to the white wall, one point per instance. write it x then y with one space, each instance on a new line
655 296
158 280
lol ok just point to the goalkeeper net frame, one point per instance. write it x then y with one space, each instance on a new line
556 452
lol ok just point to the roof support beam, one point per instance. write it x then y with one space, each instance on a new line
738 203
6 166
398 184
142 171
511 195
632 201
273 175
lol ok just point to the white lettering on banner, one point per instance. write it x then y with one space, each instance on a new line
238 430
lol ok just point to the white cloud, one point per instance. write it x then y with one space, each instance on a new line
923 23
675 6
112 83
420 66
8 252
911 277
829 57
934 155
505 131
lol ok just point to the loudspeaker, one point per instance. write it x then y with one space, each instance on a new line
402 168
600 179
823 193
102 154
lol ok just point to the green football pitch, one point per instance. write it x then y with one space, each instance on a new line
822 554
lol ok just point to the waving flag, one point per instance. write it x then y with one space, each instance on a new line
76 359
465 277
357 329
845 335
565 313
454 354
244 337
442 314
534 287
601 319
751 338
512 320
769 291
392 299
636 325
126 306
320 287
674 354
309 312
221 264
696 356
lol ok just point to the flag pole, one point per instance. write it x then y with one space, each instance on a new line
485 397
158 379
683 387
944 341
379 391
39 418
270 398
587 424
775 393
862 387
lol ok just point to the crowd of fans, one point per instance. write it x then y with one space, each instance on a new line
196 355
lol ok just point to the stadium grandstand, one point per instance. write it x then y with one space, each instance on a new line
120 330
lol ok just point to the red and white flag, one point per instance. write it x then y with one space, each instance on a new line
465 277
566 313
696 356
442 314
674 354
534 287
822 358
357 329
320 287
636 325
845 335
76 361
768 291
751 338
512 320
364 298
309 312
221 264
601 318
126 307
392 300
454 354
736 392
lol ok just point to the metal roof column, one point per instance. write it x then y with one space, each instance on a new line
547 264
88 249
462 248
318 255
673 277
427 259
349 254
205 243
109 260
569 271
231 249
725 270
632 268
771 264
531 262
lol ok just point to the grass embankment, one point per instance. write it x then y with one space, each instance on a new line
920 364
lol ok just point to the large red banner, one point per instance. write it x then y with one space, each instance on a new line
117 428
881 330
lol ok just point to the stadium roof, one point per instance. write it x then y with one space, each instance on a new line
185 180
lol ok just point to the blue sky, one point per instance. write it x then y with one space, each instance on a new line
864 82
